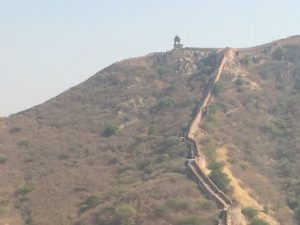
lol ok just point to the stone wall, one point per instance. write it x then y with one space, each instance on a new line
269 46
129 61
195 164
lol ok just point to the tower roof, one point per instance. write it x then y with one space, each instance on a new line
177 38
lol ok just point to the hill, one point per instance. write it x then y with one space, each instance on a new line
110 150
109 143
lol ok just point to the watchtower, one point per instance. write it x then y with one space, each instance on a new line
177 44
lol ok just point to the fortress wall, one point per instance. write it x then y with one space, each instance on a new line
205 188
289 41
138 61
212 185
254 50
101 71
207 185
225 218
201 49
197 120
129 61
203 180
268 46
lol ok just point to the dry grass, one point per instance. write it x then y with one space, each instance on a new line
258 119
58 149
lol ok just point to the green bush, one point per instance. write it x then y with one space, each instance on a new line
23 191
239 81
216 166
217 88
220 179
246 60
259 222
212 108
110 130
126 214
249 212
3 159
90 202
165 103
24 143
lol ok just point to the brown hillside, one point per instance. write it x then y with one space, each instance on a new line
256 118
110 150
108 145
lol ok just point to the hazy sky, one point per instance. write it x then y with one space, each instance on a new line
49 46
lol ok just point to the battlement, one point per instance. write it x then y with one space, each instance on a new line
196 166
268 46
202 49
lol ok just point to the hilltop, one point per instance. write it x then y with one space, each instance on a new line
110 150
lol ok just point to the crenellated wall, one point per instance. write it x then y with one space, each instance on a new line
196 165
268 46
216 76
201 49
129 61
139 60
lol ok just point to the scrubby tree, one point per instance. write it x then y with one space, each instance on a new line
217 88
89 203
278 54
126 214
3 159
110 130
259 222
250 212
167 102
247 60
220 179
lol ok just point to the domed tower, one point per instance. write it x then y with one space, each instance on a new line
177 44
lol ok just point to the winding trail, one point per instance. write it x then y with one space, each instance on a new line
196 160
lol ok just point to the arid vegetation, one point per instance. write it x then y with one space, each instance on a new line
109 151
257 116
